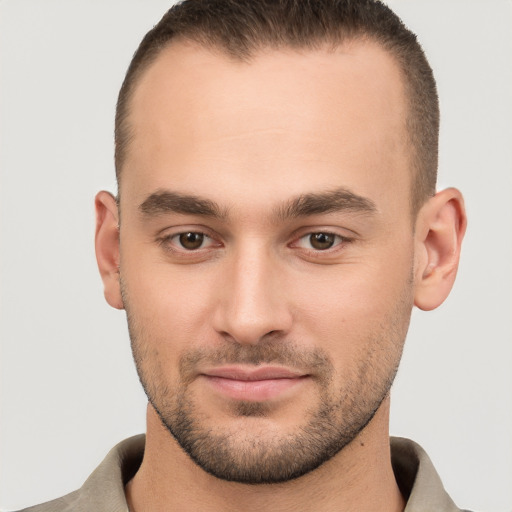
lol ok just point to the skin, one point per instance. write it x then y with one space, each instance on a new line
252 137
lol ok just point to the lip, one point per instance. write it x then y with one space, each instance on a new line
253 384
252 374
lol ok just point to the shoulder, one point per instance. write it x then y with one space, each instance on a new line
418 480
65 503
104 489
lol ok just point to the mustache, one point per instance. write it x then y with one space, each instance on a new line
313 361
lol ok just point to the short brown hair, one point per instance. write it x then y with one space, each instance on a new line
242 27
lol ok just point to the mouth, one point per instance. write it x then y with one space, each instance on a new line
253 384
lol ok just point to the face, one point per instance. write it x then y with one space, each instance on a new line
266 251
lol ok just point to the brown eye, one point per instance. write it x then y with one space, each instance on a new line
322 241
191 240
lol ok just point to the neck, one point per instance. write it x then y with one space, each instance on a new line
359 477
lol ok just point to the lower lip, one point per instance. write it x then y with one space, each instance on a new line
253 390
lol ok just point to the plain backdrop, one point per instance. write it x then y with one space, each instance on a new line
69 390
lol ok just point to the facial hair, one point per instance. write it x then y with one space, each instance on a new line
264 456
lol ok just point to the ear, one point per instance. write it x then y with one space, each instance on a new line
440 228
107 247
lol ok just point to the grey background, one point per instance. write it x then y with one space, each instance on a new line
68 388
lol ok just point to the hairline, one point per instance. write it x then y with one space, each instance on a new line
326 44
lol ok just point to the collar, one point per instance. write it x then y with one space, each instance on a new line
415 474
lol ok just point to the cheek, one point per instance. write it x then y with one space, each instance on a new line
166 309
163 325
169 305
354 310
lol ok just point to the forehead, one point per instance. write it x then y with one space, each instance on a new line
283 120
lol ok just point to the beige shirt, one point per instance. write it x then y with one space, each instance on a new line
103 491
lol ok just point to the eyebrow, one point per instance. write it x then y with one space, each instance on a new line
164 202
337 200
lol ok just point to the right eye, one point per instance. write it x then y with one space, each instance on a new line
320 241
189 240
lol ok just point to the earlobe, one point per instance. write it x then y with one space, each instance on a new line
107 247
440 228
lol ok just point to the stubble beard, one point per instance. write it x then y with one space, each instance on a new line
262 456
258 456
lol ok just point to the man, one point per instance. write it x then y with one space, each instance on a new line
275 223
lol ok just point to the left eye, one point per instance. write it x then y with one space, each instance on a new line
319 241
191 240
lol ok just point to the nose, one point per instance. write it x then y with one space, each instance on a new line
253 302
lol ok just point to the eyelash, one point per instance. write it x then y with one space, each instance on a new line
167 243
338 240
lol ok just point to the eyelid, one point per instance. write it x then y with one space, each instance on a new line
345 234
321 254
165 238
206 242
340 240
